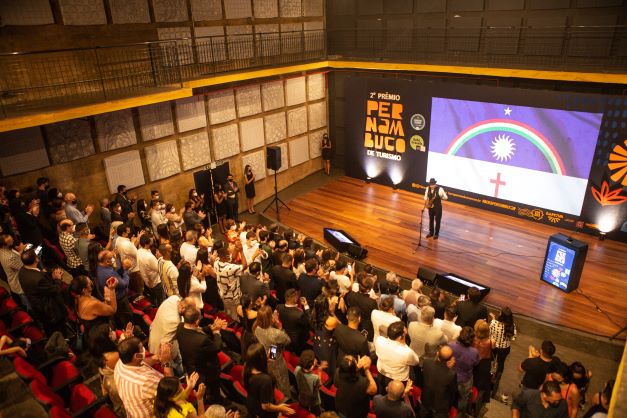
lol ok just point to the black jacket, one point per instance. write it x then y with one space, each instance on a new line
296 324
45 296
199 351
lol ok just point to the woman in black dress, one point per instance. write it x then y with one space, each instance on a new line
219 196
249 187
326 153
260 401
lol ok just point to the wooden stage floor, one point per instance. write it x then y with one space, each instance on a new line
386 222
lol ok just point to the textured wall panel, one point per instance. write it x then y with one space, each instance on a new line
315 144
257 162
297 121
275 127
225 141
316 87
184 47
221 106
170 10
195 150
291 38
240 41
26 12
22 150
266 8
124 168
210 43
156 121
83 12
129 11
190 113
162 160
313 8
317 115
206 10
299 150
248 100
115 130
295 91
273 96
314 36
69 140
237 9
290 8
251 131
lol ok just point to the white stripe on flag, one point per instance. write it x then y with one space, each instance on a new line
522 185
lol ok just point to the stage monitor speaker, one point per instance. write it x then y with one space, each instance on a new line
357 252
427 275
273 158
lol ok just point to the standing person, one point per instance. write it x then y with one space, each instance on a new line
308 382
502 333
466 358
482 378
249 188
231 189
260 401
433 201
394 355
199 200
168 272
268 332
295 321
327 149
396 403
538 365
149 271
439 392
355 385
219 197
111 266
12 263
228 275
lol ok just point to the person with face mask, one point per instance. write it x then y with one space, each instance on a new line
544 403
111 266
125 202
157 215
327 149
231 189
73 213
43 185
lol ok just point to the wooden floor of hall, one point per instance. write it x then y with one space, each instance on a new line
386 222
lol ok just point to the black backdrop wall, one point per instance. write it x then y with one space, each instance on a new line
398 152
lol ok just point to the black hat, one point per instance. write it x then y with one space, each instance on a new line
432 181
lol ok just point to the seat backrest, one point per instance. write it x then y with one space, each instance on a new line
237 373
81 397
58 412
20 318
63 373
104 412
45 395
27 371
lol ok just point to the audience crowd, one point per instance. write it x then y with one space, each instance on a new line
180 322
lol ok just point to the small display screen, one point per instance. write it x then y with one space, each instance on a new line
464 282
339 236
558 265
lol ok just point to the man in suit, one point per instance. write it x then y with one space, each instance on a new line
439 392
44 293
252 283
125 203
471 310
199 350
283 277
309 284
295 321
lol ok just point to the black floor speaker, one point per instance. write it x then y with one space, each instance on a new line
273 158
427 275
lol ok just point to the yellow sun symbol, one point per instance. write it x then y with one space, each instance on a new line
618 164
503 148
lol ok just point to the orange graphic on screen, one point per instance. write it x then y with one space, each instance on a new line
618 164
607 196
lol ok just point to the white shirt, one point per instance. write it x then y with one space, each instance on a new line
157 218
127 249
163 328
196 289
413 313
342 280
250 251
355 288
441 193
188 252
380 318
148 267
394 358
449 328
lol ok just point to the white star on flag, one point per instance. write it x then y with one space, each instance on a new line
508 111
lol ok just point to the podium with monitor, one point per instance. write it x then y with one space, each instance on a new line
563 262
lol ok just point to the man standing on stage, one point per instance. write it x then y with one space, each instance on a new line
433 197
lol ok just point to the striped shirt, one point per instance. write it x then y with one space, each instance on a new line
497 334
137 387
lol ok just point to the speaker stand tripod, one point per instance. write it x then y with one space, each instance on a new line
276 200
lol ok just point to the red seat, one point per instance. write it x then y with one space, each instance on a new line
142 304
233 388
3 293
20 319
33 333
327 396
45 395
64 373
147 320
300 412
27 371
452 413
225 361
237 373
278 396
7 305
474 394
104 412
58 412
82 398
291 359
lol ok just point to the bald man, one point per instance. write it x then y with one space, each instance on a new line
73 213
439 392
395 404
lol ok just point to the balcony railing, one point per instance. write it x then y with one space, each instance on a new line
33 82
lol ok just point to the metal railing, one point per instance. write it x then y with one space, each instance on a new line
598 48
39 81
